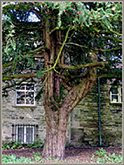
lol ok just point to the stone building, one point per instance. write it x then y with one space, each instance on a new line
95 121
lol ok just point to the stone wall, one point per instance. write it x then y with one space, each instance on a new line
83 125
12 114
85 120
111 115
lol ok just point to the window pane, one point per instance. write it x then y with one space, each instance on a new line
20 97
29 134
30 87
26 95
25 133
114 98
29 97
114 91
20 134
20 87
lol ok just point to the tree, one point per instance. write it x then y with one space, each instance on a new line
74 43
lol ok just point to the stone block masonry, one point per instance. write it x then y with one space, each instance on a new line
85 116
83 125
12 114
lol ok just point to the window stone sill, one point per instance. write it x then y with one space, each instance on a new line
24 106
115 103
81 128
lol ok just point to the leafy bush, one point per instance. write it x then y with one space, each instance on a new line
105 157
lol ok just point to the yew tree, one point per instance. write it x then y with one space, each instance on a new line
67 45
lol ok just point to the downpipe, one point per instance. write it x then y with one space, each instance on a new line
100 139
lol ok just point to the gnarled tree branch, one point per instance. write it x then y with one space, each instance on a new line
94 64
96 49
19 76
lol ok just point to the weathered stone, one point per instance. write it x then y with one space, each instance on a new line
83 125
89 118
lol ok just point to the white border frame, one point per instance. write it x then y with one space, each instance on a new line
24 133
118 94
25 83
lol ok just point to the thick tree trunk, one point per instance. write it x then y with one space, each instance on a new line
55 144
58 110
55 133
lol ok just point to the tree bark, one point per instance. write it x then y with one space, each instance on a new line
55 144
57 116
55 133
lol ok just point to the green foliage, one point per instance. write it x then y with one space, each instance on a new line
68 145
14 159
40 72
95 26
104 157
101 152
36 153
6 146
62 92
13 145
37 158
36 144
60 105
17 145
57 160
54 108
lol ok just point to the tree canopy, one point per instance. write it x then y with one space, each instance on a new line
93 27
67 45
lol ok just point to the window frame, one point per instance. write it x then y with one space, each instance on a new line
15 133
25 90
24 134
119 94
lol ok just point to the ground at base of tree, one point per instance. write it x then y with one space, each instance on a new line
72 154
